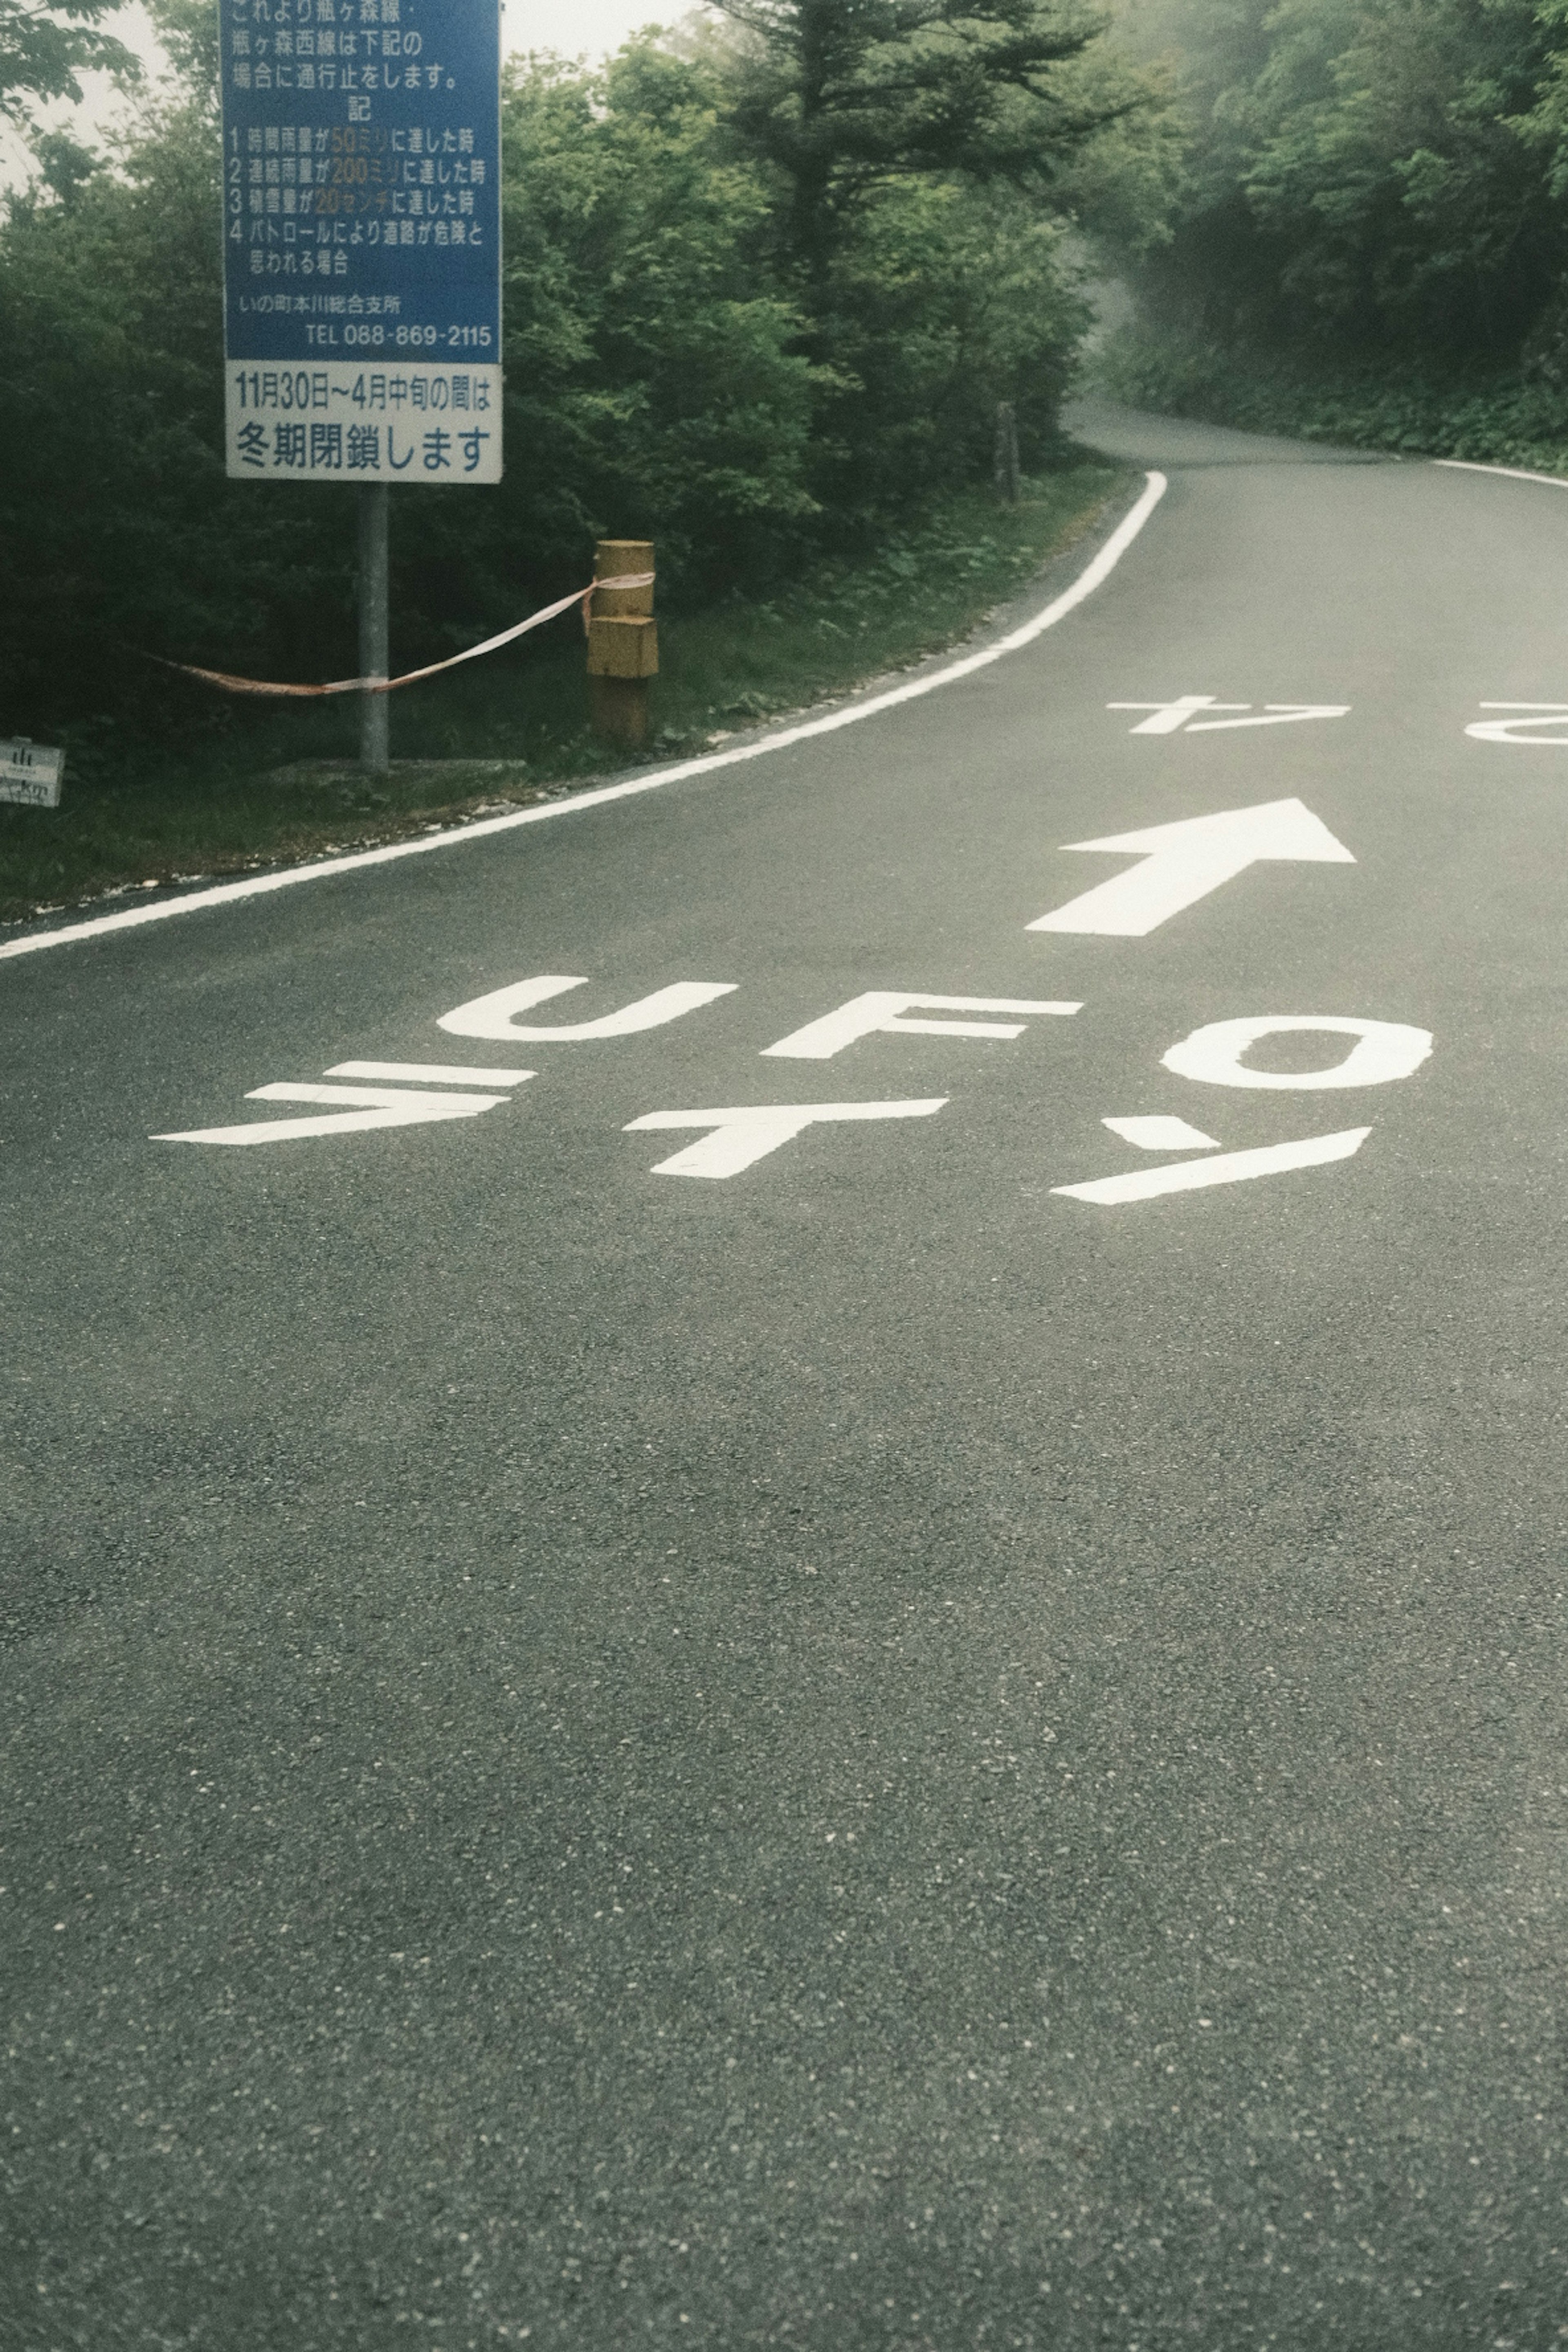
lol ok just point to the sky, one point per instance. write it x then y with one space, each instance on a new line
575 28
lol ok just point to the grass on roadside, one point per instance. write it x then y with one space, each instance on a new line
245 784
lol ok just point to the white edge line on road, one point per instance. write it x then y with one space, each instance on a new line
1514 473
257 886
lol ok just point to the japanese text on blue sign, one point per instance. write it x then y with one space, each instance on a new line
362 235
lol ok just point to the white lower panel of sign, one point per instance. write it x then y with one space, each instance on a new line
383 417
30 772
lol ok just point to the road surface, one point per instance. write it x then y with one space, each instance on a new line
625 1724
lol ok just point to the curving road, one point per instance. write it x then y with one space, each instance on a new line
938 1728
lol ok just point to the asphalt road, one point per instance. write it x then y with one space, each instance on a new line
865 1752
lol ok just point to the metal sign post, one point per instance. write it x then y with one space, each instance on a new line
374 732
361 241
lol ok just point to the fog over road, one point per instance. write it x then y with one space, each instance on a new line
917 1731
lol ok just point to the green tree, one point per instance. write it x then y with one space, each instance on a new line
1357 174
840 97
945 299
45 44
1389 171
654 374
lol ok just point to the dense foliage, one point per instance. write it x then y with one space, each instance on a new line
1374 200
676 365
43 47
839 98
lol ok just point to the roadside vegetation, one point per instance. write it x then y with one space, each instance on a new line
1367 238
240 784
768 277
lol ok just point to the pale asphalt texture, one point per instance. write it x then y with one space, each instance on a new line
866 1755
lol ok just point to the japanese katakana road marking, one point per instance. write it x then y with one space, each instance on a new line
1384 1051
1230 1167
434 1074
1159 1134
1551 717
1180 714
374 1107
745 1134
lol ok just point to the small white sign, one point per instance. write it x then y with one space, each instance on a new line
30 772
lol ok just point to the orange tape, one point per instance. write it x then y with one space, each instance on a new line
583 596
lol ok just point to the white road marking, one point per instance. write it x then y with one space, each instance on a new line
381 1106
748 1133
1230 1167
1274 714
1097 570
1167 717
1183 861
1385 1050
1514 473
881 1009
1507 731
1181 714
1158 1134
495 1016
452 1074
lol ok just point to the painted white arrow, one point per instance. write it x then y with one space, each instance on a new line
1181 863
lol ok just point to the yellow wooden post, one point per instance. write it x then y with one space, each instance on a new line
623 642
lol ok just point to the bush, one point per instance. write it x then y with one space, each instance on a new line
947 299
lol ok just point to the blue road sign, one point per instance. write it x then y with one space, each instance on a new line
361 239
